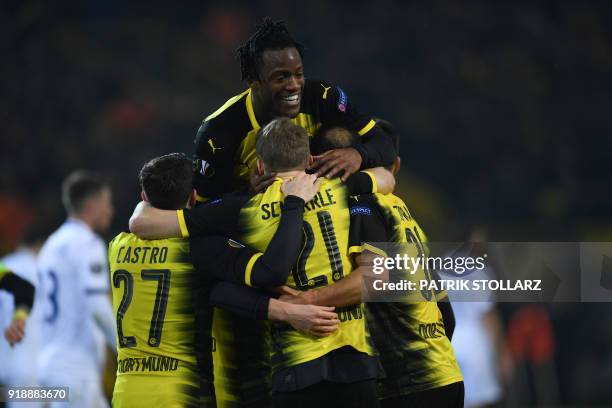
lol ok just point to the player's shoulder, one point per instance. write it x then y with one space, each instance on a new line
126 238
125 243
62 241
232 106
397 205
77 233
318 92
391 199
23 263
315 92
317 87
123 238
335 187
272 193
222 131
232 116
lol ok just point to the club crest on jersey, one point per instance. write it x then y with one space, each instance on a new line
342 100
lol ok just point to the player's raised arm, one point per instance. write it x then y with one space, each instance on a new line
374 147
149 222
376 180
229 260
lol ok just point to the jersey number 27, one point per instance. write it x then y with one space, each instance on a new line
162 276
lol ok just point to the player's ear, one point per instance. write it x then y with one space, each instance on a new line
143 196
254 84
260 167
396 165
193 198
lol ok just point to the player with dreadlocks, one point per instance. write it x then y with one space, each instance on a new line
271 65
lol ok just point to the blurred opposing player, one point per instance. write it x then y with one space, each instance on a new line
160 293
413 338
75 288
479 339
271 64
19 361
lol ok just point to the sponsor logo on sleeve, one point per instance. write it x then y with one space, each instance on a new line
360 210
342 100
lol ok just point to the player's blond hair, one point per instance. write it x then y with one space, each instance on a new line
283 146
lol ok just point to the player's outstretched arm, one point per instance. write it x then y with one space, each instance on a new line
256 304
342 293
273 267
228 260
317 321
385 181
376 180
149 222
345 292
375 148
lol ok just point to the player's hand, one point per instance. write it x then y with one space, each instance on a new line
15 332
303 185
319 321
259 182
337 161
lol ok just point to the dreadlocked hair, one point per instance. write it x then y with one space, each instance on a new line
270 35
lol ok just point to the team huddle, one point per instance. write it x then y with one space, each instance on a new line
240 281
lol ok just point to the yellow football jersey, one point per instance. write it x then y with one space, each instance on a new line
153 286
410 336
323 261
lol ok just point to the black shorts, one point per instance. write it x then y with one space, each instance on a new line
327 394
449 396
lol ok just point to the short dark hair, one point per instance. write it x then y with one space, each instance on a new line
331 137
78 187
167 181
388 128
270 35
283 146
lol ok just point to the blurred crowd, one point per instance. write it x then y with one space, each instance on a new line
503 111
503 108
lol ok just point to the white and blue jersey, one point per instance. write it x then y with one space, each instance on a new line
75 307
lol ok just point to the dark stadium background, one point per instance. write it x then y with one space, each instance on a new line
504 110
